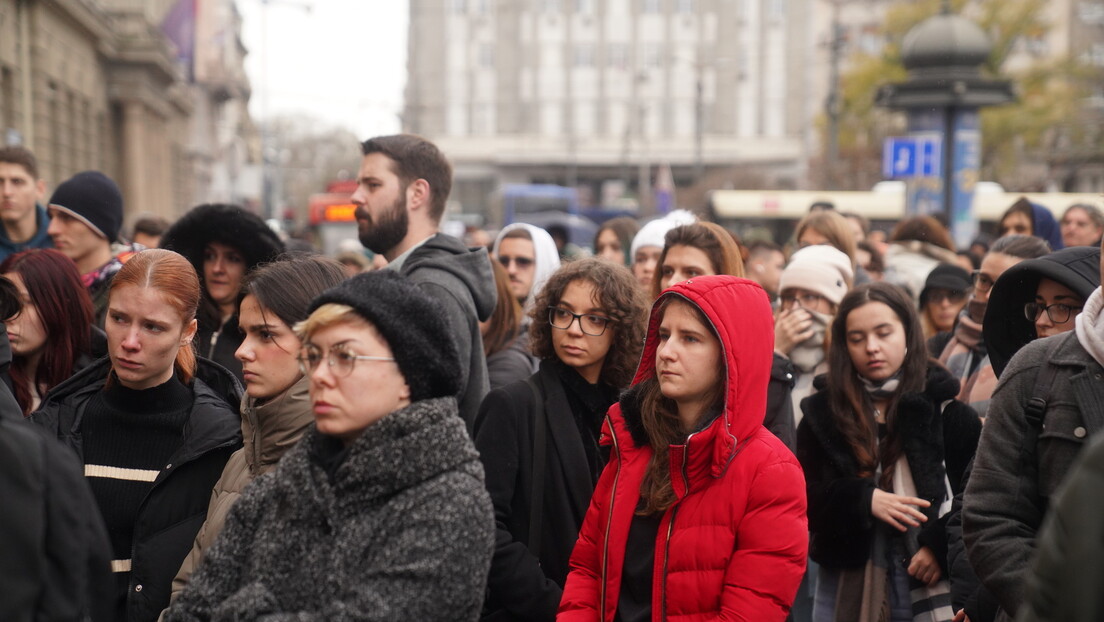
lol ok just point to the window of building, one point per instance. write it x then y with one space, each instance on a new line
459 6
486 55
584 7
653 56
776 10
550 6
583 55
650 6
685 7
617 56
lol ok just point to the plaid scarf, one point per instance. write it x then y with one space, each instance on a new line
966 358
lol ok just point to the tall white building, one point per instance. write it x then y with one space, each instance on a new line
582 92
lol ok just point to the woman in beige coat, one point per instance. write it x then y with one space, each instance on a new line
276 409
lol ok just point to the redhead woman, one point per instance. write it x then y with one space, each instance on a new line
152 425
51 336
884 447
276 409
586 328
380 511
700 513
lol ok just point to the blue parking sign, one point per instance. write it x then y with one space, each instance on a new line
911 156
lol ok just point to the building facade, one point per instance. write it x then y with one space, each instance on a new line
599 93
98 84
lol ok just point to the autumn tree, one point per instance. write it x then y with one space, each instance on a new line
1022 142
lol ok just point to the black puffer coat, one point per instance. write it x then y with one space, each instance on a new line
840 520
176 506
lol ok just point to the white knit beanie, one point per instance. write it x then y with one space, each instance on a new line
654 233
821 269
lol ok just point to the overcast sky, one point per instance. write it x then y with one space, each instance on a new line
341 61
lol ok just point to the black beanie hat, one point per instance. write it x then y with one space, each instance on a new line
92 198
412 323
946 276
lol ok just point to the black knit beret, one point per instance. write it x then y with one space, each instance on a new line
228 224
413 324
94 199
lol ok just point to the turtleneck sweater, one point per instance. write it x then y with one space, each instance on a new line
128 437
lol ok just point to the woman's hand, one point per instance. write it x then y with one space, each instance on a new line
961 616
791 328
924 567
897 510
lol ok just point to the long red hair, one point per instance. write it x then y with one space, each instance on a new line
65 309
175 277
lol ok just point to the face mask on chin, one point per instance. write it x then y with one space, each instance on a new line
808 354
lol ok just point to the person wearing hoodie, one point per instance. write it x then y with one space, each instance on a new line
962 350
725 533
402 187
884 445
529 255
916 246
276 408
1045 409
1038 298
224 243
1026 218
152 425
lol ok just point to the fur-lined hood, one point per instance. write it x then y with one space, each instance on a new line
227 224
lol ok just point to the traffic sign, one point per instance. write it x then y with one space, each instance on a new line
911 156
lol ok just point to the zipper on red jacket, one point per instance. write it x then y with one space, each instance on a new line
670 528
609 517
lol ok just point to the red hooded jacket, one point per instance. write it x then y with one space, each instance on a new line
733 545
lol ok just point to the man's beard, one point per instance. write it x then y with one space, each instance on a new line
388 231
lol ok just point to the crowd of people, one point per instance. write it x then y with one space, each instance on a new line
854 426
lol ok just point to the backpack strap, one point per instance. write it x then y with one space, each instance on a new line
1035 409
540 455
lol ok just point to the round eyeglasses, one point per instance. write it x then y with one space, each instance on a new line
340 360
593 325
1058 313
807 300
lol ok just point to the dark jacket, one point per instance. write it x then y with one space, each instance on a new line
967 591
402 530
521 586
779 418
55 557
511 363
221 344
1005 328
462 281
840 520
40 239
176 506
1009 490
1068 569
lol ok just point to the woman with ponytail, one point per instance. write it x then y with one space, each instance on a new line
884 446
700 511
152 425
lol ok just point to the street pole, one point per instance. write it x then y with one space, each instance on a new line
833 106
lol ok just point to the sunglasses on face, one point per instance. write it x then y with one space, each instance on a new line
522 262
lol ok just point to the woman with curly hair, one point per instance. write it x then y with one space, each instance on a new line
538 437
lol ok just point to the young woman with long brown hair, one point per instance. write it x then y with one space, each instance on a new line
884 446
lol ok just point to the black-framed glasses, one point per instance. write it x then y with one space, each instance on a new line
1058 313
522 262
339 358
593 325
982 282
807 300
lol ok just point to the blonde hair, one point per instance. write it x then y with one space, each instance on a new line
327 315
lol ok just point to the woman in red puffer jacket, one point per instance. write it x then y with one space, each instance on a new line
700 513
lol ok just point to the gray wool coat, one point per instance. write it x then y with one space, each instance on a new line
1005 501
403 531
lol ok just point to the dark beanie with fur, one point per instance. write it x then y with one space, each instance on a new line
412 323
92 198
